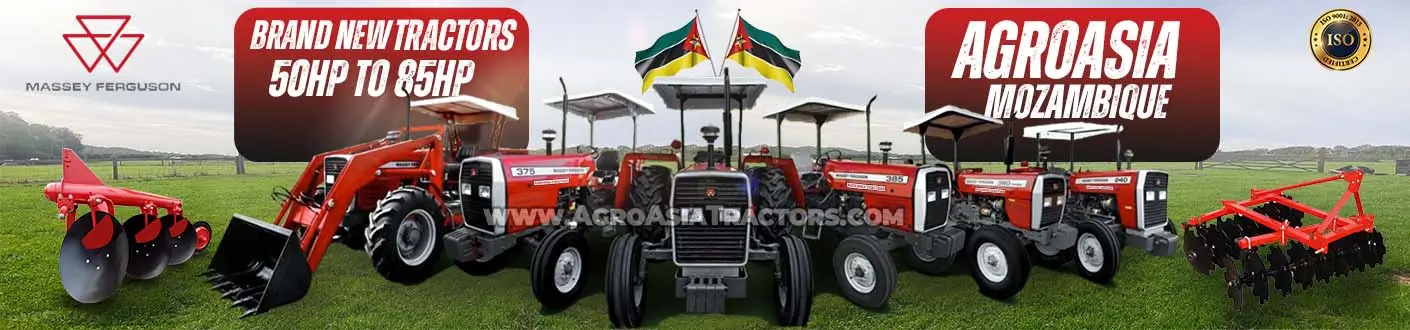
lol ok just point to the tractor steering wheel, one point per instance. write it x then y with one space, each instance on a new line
826 156
591 150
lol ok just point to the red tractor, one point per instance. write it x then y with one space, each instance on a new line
605 105
423 197
1131 202
97 252
702 220
938 215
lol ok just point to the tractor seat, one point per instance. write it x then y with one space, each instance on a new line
704 156
453 165
608 161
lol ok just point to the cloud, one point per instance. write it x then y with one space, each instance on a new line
165 129
829 68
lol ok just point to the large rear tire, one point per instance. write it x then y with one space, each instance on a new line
864 270
556 272
997 262
651 187
793 282
774 198
404 236
626 282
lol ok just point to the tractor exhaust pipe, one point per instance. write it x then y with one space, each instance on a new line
262 268
873 99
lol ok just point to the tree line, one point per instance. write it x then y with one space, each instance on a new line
22 140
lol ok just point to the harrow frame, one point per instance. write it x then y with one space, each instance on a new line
1318 236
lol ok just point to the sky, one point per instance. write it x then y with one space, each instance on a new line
1274 94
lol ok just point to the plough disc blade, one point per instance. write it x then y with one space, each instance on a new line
1197 252
1281 269
93 257
151 246
259 266
1378 248
183 238
1254 274
1234 286
1303 265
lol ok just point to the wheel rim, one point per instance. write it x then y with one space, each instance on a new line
1090 252
993 264
568 270
639 285
414 237
860 274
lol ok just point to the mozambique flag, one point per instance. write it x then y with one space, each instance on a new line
763 52
675 51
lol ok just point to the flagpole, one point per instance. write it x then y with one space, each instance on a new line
700 31
733 34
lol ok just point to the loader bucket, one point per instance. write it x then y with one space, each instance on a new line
258 266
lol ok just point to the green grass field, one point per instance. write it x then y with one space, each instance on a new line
1149 293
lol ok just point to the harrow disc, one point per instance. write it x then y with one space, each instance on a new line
1234 287
93 257
1303 265
1324 267
1337 251
1218 242
1254 273
183 238
1197 251
1281 269
150 247
1356 245
1377 247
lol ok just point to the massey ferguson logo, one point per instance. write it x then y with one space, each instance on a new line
103 41
710 192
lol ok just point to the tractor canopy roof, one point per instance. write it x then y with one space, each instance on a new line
464 109
1072 131
603 105
951 122
708 92
814 109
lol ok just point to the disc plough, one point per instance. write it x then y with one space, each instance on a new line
97 252
1292 253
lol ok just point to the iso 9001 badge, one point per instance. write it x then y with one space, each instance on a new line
1341 39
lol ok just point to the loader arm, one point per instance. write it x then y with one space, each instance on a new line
311 178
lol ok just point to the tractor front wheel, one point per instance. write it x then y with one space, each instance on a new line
1098 252
998 263
793 282
404 236
556 270
626 282
864 270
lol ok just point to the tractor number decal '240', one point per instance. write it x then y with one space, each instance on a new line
1118 180
542 171
885 178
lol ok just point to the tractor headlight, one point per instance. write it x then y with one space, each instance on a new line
1060 200
1150 196
467 189
329 179
484 191
1047 201
1161 195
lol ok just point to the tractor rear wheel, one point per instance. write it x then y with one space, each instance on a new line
997 262
626 282
793 282
774 199
404 236
649 192
928 265
1098 252
556 272
864 270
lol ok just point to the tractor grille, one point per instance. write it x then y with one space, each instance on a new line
332 167
473 175
1053 187
1155 210
711 241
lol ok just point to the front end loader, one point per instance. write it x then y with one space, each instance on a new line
411 192
97 252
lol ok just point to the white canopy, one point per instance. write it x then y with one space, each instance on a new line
462 105
944 121
707 93
806 110
603 105
1071 131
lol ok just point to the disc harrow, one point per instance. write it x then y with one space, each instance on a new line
1263 246
97 252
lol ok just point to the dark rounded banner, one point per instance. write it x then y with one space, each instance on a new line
313 80
1083 78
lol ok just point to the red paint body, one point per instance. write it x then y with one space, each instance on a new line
1125 193
878 195
80 186
525 194
1318 236
1018 201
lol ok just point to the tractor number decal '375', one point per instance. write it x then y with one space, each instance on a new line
1118 180
885 178
541 171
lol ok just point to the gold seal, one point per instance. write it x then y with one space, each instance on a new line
1341 39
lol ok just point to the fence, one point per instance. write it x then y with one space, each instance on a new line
149 169
1267 162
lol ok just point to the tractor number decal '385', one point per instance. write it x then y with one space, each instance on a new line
885 178
1004 183
1118 180
541 171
